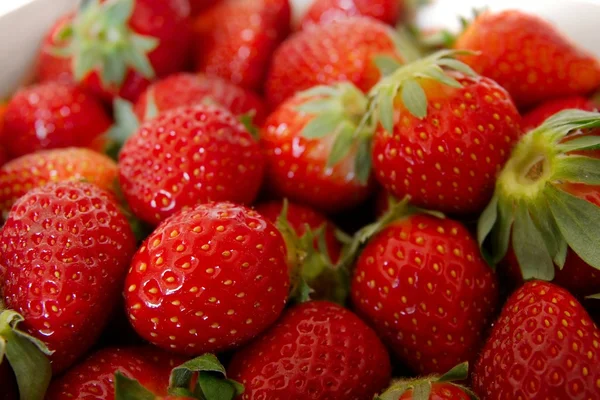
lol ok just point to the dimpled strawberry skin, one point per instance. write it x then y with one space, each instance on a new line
208 279
318 350
423 285
448 161
33 170
188 156
65 250
543 346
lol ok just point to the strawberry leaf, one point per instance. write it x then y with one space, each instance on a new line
594 297
214 388
363 161
487 221
545 224
151 111
501 235
581 143
578 169
422 391
457 66
342 145
561 255
322 125
181 376
579 223
386 64
130 389
414 98
458 373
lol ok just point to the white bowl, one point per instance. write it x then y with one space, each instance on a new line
23 22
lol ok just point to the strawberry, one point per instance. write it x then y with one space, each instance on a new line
20 175
528 57
538 115
94 377
52 115
65 251
543 346
188 89
298 138
301 219
442 136
208 279
424 287
337 52
542 221
236 39
317 350
187 156
431 388
154 41
200 5
326 11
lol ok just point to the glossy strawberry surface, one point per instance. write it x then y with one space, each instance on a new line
529 57
236 39
440 391
52 115
34 170
94 377
423 285
297 166
317 350
208 279
539 114
448 161
336 52
543 346
326 11
65 250
188 156
186 89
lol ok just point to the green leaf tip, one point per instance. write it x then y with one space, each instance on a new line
130 389
26 355
100 39
535 203
125 125
212 382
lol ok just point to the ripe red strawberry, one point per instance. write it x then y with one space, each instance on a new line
528 57
326 11
298 155
317 350
154 41
543 346
337 52
236 39
20 175
423 285
208 279
188 89
94 377
65 251
188 156
302 218
52 115
200 5
431 388
538 115
443 146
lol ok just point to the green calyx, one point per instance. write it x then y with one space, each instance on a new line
421 388
313 274
533 205
211 382
26 356
100 38
126 124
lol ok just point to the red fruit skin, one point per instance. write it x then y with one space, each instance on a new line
52 115
65 250
441 391
185 89
317 350
236 39
424 287
198 6
535 117
94 377
22 174
299 217
336 52
8 382
543 346
187 156
208 279
50 68
167 21
326 11
528 57
297 167
448 161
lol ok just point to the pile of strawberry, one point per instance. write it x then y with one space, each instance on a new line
322 207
